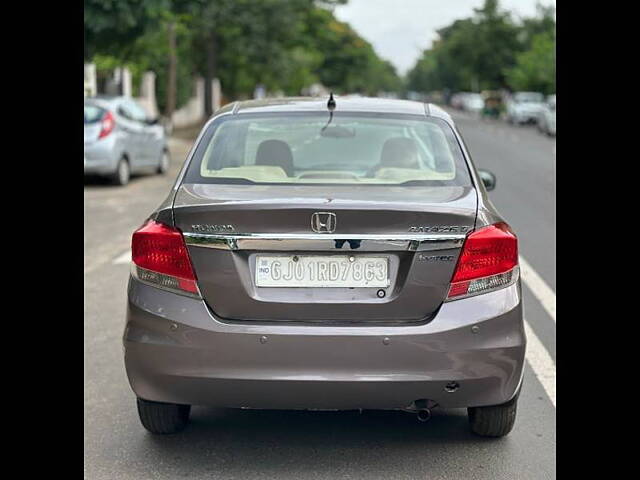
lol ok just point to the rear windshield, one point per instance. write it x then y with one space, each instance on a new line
92 113
353 149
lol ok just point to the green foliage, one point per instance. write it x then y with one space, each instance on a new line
535 68
151 52
349 63
286 45
111 26
482 52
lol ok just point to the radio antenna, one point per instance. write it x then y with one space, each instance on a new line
331 106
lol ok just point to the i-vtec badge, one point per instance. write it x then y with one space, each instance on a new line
438 229
435 258
212 228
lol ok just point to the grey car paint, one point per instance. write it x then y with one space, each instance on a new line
133 138
417 288
274 351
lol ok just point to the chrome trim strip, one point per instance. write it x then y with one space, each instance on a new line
295 241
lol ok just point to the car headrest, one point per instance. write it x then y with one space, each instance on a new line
276 153
399 152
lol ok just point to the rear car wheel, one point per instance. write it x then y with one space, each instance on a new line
163 418
494 420
165 160
122 173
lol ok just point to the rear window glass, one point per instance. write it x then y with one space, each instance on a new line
307 149
92 113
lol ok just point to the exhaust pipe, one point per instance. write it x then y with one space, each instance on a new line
424 414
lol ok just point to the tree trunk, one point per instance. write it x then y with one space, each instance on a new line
210 73
171 71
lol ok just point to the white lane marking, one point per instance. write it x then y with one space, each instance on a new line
543 292
541 362
124 258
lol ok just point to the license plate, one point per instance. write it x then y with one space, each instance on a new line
322 271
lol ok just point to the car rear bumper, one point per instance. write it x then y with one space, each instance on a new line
176 351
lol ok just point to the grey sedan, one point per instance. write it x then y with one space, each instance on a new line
327 255
119 139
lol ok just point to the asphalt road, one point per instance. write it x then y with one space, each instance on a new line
272 444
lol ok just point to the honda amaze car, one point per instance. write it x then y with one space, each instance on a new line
326 255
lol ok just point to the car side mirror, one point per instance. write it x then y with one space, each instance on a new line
488 178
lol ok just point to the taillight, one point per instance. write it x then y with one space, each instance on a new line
161 257
108 124
488 261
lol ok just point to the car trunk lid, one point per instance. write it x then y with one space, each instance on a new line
420 230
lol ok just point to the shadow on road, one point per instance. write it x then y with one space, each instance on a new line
264 442
98 181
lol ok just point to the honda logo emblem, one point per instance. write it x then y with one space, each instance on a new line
323 222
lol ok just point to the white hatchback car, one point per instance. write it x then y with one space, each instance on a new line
524 107
119 139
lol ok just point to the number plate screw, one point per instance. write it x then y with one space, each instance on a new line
381 293
352 259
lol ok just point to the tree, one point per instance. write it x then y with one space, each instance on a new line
285 45
535 68
479 53
543 22
112 26
248 34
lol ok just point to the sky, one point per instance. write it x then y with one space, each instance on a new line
400 29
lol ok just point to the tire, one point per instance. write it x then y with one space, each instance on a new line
163 418
123 173
494 420
165 161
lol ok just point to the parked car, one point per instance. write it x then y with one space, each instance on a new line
547 118
457 100
120 140
473 102
524 107
315 259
